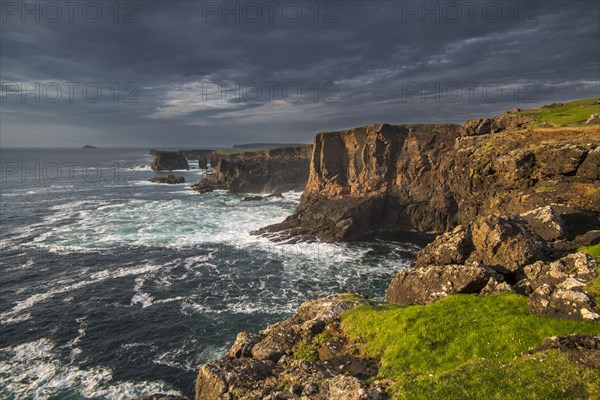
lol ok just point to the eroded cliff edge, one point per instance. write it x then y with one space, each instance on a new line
274 170
392 178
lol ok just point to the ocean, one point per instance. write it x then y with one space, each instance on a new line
112 287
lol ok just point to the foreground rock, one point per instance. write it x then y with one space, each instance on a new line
160 396
274 170
428 284
304 357
169 179
558 287
168 161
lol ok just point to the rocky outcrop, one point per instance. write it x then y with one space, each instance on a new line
268 171
382 179
428 284
558 287
593 119
303 357
163 397
168 161
169 179
204 157
510 119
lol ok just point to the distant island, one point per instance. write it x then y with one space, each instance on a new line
89 147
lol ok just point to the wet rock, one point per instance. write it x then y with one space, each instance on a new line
584 349
169 161
450 248
169 179
242 347
276 195
506 245
252 198
558 287
204 186
546 222
428 284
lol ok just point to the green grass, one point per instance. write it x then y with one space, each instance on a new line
306 351
593 251
544 189
461 342
569 113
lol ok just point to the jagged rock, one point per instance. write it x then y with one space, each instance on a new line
310 319
169 179
593 119
506 245
221 378
515 169
546 222
494 286
562 159
476 126
276 194
558 287
204 186
168 161
242 347
428 284
590 167
161 396
584 349
450 248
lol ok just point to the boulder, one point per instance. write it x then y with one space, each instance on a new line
351 388
252 198
506 245
242 347
563 159
428 284
590 167
558 287
495 286
450 248
546 223
169 161
593 119
169 179
204 186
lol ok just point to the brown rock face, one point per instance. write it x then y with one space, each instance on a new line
428 284
169 161
387 179
275 170
506 245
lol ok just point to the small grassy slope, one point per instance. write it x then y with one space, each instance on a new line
469 347
568 113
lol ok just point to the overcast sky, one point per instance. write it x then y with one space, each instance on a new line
200 73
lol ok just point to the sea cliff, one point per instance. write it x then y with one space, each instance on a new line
274 170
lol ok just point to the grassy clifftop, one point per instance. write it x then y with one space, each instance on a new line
468 347
574 112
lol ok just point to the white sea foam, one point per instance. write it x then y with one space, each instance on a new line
32 370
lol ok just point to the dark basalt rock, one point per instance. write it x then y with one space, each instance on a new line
168 161
169 179
253 198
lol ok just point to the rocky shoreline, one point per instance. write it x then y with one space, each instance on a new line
517 209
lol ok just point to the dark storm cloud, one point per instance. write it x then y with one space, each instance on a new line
194 78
